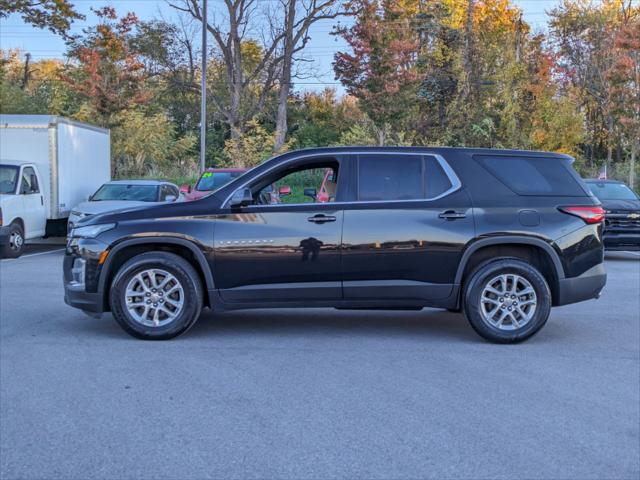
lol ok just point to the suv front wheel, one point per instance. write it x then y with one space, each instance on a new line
507 300
156 296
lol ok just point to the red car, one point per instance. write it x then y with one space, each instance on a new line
210 180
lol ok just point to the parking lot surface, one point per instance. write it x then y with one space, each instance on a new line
316 394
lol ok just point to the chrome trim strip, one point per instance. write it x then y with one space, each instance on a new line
456 184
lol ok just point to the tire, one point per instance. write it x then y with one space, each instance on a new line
15 244
523 315
177 308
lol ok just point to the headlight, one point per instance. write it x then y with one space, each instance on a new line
75 213
92 231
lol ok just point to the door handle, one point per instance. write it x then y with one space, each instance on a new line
451 215
41 200
321 219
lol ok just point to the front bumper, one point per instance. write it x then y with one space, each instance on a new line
5 233
83 293
583 287
621 240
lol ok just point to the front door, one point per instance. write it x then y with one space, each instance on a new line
285 247
33 201
404 236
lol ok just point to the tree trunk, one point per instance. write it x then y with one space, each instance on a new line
632 165
285 77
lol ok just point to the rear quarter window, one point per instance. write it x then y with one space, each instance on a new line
534 175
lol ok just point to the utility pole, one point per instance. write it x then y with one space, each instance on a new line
203 89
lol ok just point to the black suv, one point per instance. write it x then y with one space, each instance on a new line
501 235
622 214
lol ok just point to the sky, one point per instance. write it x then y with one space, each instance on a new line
14 33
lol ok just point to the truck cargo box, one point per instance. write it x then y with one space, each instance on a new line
73 158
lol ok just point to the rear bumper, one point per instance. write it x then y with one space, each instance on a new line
583 287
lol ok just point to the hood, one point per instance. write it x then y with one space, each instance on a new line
93 208
625 205
205 206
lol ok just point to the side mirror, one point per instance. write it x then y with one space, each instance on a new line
284 190
241 198
170 198
311 192
185 188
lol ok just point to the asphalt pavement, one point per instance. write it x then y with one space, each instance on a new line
316 394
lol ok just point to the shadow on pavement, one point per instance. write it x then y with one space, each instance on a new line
311 323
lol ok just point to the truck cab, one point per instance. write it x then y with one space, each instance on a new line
23 213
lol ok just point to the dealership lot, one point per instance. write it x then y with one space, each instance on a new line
316 394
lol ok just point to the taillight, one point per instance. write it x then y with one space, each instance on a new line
588 214
1 217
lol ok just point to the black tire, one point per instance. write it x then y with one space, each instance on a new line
183 272
475 285
15 242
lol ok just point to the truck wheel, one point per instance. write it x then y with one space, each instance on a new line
156 296
15 245
507 300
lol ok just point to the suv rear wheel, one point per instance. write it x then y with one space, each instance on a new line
507 300
156 296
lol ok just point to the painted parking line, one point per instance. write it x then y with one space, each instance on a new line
34 254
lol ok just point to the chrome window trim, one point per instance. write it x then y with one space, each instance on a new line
456 184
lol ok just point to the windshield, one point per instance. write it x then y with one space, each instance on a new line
210 181
8 178
612 191
139 193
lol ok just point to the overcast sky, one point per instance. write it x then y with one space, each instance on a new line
43 44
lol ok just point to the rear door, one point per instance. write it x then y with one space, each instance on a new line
403 236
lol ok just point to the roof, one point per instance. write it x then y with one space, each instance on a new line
598 180
441 150
44 121
139 182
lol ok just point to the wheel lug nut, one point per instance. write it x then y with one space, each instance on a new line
148 301
155 305
509 308
153 290
503 306
161 301
148 294
501 299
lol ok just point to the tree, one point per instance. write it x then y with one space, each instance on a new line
110 76
624 79
56 15
299 16
381 72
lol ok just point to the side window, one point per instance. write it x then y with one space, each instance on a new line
436 180
29 182
533 175
389 177
307 184
165 191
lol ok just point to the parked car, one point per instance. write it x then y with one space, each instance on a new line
622 214
502 235
124 194
47 165
210 180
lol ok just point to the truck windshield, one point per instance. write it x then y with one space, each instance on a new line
611 191
138 193
210 181
8 178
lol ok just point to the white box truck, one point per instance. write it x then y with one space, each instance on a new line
48 165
